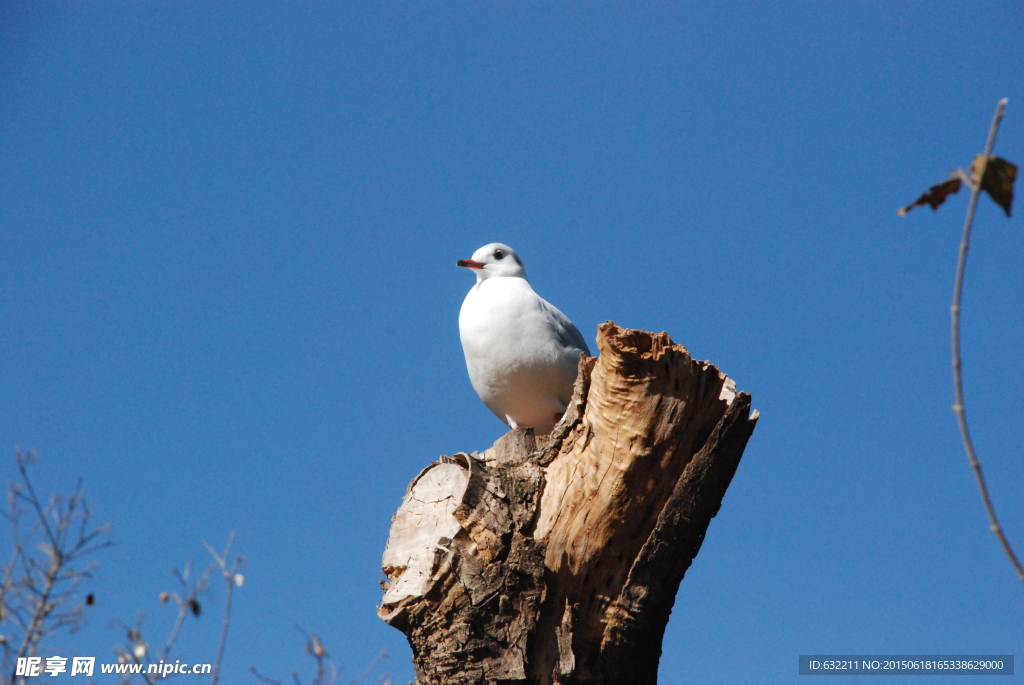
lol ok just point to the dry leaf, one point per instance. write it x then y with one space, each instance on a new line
934 196
997 178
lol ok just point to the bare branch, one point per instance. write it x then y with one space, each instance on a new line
954 312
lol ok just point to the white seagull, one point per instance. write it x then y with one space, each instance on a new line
522 353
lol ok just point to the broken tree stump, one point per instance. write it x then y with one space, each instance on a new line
556 559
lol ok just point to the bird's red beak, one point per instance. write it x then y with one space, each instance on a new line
469 264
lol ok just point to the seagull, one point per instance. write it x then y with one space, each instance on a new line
521 352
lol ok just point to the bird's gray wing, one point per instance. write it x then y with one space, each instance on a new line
567 333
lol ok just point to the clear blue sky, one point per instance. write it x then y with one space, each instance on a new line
229 300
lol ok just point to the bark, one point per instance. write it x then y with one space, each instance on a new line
556 559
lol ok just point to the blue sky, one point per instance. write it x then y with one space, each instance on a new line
229 300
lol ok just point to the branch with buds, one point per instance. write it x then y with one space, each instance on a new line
136 649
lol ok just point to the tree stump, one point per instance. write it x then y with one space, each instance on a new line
556 559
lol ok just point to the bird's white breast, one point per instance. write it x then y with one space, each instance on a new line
517 360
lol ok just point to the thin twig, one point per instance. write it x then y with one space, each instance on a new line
32 498
954 312
263 678
230 577
369 669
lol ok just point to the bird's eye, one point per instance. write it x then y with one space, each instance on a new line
498 254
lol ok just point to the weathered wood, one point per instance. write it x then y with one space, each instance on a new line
556 559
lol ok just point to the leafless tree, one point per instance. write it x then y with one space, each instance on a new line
41 592
52 543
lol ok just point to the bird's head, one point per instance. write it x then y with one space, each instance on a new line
494 260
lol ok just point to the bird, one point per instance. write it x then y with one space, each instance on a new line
522 354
